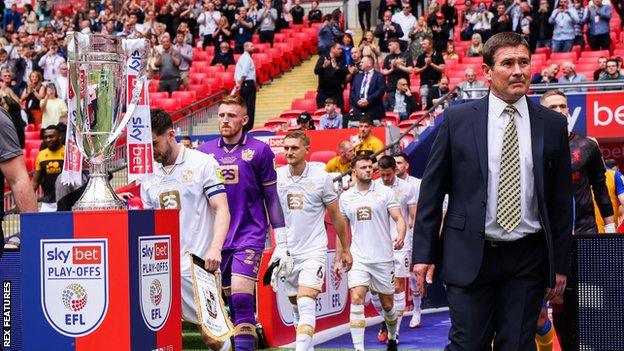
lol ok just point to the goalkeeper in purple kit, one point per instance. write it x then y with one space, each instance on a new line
246 165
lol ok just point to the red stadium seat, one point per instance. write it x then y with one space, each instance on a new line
276 123
564 56
32 135
304 104
30 127
197 78
472 60
595 54
169 105
30 164
153 84
32 144
227 78
290 114
261 130
159 95
33 153
201 90
322 156
186 97
544 50
310 95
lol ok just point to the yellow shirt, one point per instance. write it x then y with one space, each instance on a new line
615 202
370 145
334 165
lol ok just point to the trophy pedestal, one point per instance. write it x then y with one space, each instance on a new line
101 280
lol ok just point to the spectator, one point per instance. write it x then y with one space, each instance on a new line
471 82
332 73
611 164
578 27
223 56
10 103
521 23
367 91
401 100
48 167
332 119
354 67
223 32
450 53
29 17
168 62
149 24
368 47
602 68
367 143
611 73
541 28
437 92
467 14
4 59
342 162
387 5
501 22
186 56
598 17
187 142
230 10
50 63
152 55
12 18
52 107
245 78
450 15
24 65
429 65
396 65
364 14
62 82
267 17
315 15
476 46
327 35
243 26
7 80
407 21
547 76
34 92
305 121
420 32
481 22
386 30
440 32
571 77
346 43
563 18
297 12
208 22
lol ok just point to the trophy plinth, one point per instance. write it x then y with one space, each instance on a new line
99 194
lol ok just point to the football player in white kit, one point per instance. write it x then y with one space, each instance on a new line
402 171
189 181
305 191
369 208
406 195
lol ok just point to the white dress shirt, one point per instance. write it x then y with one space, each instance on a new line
497 121
245 68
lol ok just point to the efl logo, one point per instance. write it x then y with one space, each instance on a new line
74 284
155 279
605 114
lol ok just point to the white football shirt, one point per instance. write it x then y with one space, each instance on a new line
405 193
186 186
303 199
369 218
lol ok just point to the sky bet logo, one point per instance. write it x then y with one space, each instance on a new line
74 271
155 279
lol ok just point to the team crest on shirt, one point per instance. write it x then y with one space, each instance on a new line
309 186
187 176
219 175
247 154
295 201
364 213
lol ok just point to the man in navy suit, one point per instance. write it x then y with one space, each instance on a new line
367 90
504 162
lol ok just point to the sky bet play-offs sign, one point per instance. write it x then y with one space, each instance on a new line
155 282
74 284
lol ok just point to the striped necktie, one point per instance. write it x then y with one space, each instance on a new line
508 206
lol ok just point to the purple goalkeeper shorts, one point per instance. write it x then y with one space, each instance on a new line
244 262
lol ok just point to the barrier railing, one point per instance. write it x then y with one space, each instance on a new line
547 86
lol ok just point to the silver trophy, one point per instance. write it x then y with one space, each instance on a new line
97 74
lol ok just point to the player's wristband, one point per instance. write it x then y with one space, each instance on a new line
280 236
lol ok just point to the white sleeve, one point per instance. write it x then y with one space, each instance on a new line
329 194
148 204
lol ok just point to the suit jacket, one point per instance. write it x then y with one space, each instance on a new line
376 90
458 166
410 103
476 94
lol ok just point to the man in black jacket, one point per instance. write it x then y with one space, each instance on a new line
401 100
332 73
386 30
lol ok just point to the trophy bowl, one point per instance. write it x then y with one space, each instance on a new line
98 85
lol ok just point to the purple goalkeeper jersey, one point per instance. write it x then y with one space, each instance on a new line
246 169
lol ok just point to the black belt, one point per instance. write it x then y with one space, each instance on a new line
249 81
500 243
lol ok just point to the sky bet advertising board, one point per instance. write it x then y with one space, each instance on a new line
101 281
